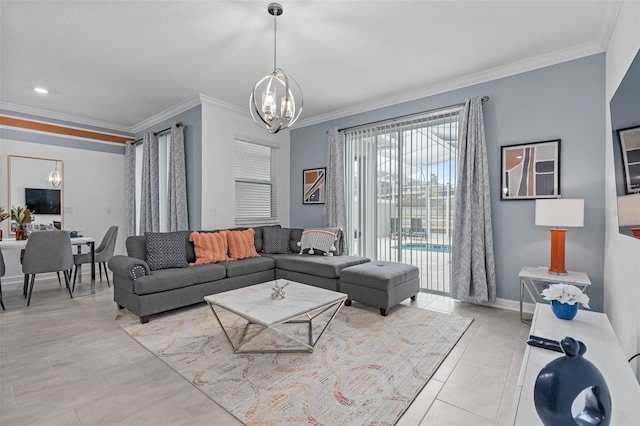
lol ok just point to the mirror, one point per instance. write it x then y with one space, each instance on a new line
625 117
28 186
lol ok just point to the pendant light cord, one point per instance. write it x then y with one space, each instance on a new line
275 29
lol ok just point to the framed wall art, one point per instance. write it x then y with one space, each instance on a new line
630 145
530 170
313 186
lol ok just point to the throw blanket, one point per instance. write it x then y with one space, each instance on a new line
322 239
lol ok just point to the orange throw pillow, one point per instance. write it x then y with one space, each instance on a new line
241 245
210 247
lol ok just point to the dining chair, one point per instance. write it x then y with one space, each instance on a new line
2 271
47 251
104 252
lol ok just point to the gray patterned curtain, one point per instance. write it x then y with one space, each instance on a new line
334 207
177 200
473 276
130 188
150 199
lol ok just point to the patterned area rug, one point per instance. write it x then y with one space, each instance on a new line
365 369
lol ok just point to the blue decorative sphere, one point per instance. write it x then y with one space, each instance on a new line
563 380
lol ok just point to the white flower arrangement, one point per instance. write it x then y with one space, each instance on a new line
566 293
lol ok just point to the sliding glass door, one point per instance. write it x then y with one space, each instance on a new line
400 186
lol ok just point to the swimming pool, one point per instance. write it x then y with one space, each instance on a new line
439 248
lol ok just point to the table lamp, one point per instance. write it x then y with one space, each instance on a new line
629 212
559 212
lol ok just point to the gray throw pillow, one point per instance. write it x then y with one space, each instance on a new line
275 240
166 249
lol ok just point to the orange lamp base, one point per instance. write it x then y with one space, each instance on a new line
636 232
557 252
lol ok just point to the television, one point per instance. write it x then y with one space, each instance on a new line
42 201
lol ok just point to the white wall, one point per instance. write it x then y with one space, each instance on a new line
622 253
93 182
220 127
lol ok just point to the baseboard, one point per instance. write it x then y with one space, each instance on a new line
514 305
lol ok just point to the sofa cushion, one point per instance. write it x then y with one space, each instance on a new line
236 268
322 266
241 244
276 240
169 279
137 247
294 239
210 247
166 249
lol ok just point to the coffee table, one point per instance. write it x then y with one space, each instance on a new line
303 304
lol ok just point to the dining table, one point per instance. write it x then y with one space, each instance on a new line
13 244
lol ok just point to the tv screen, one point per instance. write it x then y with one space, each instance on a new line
42 201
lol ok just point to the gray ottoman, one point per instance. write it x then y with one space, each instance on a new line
381 284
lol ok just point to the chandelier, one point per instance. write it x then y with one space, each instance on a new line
55 178
265 109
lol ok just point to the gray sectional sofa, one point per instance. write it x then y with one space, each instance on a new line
145 292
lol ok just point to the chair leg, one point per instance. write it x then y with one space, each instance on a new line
33 280
75 275
59 282
67 279
100 270
1 302
106 273
25 286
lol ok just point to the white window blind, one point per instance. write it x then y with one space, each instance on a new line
256 175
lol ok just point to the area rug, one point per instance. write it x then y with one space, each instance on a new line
366 369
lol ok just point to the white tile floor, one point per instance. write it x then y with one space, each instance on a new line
65 362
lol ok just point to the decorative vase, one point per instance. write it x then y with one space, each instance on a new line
572 382
564 310
21 233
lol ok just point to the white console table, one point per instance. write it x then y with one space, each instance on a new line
603 350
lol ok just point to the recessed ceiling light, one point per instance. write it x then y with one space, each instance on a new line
41 90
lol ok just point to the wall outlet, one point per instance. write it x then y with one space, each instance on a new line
213 212
108 210
68 210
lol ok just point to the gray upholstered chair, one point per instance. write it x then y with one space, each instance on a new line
104 252
1 275
48 251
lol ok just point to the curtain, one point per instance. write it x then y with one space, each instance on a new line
334 207
177 188
473 274
130 188
150 199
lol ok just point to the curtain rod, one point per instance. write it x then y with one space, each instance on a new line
484 100
178 124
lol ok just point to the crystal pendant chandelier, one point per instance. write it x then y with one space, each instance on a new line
276 100
55 178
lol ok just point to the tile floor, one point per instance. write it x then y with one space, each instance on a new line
65 362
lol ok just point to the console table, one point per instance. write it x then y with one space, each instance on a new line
534 280
603 350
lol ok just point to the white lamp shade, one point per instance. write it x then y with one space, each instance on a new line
629 210
560 212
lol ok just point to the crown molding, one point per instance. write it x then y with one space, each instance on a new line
519 67
610 17
65 117
167 114
226 105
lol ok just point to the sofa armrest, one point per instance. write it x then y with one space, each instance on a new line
131 267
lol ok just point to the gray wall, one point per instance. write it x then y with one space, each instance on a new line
565 101
192 119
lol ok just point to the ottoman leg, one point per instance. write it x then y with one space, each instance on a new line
383 312
347 302
413 297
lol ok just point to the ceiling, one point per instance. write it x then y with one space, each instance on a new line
122 62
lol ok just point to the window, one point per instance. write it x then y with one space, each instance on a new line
163 170
256 173
400 178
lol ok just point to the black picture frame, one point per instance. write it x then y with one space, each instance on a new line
630 147
530 170
313 185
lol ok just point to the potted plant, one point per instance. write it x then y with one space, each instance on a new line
564 299
22 216
3 216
